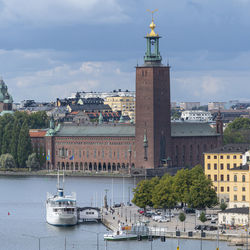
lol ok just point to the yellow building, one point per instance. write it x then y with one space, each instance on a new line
125 104
228 169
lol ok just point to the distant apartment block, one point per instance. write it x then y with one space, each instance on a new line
125 104
216 105
102 95
196 116
189 105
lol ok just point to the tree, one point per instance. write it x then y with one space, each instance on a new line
14 140
24 145
163 194
182 218
32 163
181 185
202 217
223 206
202 193
6 141
7 161
143 192
238 131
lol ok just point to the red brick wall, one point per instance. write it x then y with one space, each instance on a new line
152 114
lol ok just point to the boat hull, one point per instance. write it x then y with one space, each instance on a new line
122 237
61 219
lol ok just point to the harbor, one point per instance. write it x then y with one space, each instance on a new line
23 221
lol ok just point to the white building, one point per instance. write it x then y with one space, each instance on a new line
234 216
216 105
197 116
103 95
189 105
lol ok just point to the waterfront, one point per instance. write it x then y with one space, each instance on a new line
24 199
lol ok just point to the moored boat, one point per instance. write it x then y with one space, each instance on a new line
61 209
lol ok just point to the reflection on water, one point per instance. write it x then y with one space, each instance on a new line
22 213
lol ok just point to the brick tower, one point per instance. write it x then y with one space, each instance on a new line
153 128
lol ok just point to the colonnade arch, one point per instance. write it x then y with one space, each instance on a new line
92 166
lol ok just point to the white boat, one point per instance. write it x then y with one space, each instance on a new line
122 234
129 233
61 209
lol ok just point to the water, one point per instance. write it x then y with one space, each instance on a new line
22 216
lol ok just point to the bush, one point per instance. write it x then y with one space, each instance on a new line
32 163
7 161
202 217
223 206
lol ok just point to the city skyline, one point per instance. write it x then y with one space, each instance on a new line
49 50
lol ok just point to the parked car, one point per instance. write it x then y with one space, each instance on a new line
141 211
200 227
208 216
163 219
211 228
169 215
188 210
117 205
156 217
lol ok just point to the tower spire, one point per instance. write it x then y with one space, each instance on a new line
152 55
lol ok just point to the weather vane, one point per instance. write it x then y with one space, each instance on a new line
152 13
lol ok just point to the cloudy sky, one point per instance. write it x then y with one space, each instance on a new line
49 49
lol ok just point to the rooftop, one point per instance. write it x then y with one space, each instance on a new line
231 148
244 167
237 210
179 129
37 133
192 129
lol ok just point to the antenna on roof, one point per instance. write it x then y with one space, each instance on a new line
167 61
137 63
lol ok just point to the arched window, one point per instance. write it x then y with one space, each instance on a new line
243 178
235 178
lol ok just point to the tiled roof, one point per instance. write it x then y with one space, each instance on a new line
37 133
192 129
237 210
231 148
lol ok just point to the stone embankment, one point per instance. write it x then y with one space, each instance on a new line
67 173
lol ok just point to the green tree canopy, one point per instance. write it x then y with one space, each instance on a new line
202 193
143 192
181 185
24 145
7 161
182 217
202 217
238 131
163 193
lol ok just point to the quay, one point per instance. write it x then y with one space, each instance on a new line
128 215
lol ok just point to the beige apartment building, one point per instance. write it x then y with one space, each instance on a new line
125 104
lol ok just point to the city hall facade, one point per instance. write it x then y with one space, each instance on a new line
153 142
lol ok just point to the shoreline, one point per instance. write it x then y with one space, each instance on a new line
45 173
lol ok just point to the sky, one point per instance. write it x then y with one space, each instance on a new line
49 49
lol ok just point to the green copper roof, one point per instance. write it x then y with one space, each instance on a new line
178 129
191 129
98 130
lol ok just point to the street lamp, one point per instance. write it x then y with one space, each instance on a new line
97 238
39 238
